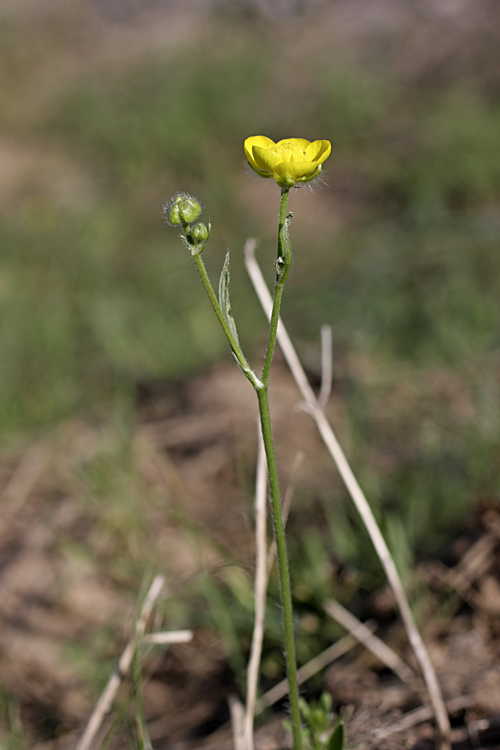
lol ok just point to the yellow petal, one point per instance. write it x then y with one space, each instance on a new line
266 159
318 151
259 140
295 169
256 140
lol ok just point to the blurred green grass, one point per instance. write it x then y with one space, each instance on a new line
399 252
97 296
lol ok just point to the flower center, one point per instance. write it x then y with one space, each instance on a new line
289 151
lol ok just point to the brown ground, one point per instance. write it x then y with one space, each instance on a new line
65 602
74 544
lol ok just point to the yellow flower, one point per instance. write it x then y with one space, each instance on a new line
289 161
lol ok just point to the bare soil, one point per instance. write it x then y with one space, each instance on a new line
61 585
71 556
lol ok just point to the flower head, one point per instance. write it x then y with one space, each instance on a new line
289 161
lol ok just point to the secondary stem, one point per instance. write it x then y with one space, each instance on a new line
240 357
283 264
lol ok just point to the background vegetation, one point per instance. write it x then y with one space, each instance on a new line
397 248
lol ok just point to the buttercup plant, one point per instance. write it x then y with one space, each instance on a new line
290 162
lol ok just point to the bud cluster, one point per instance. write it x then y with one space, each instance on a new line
182 211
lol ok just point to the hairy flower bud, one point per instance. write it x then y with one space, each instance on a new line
197 234
182 209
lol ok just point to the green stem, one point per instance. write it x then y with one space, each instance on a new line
283 264
240 357
283 567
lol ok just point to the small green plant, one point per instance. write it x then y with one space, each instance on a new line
290 162
321 729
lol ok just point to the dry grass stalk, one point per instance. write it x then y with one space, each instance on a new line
261 579
167 638
313 407
474 564
364 635
326 366
237 712
419 715
103 705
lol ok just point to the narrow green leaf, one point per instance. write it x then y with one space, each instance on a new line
336 741
143 737
224 298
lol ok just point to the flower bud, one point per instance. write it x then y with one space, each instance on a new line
182 209
197 234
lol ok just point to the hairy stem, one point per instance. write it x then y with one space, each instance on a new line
283 567
236 349
283 264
